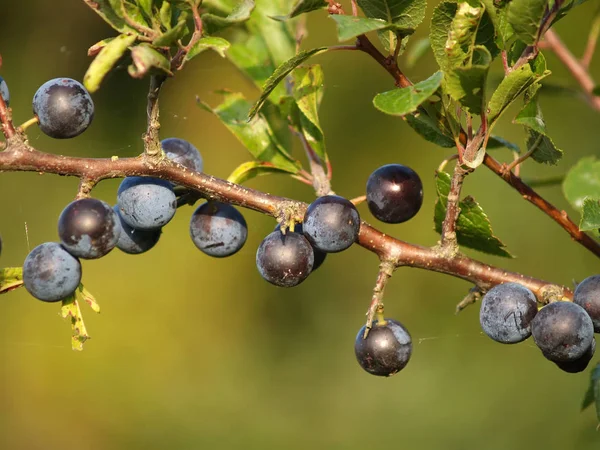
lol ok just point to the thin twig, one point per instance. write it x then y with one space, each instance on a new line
152 148
577 69
590 48
448 243
358 200
320 180
533 197
386 270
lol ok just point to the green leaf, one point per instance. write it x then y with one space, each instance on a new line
280 73
498 142
416 51
98 46
544 150
251 56
71 310
146 59
531 114
349 27
538 141
403 15
590 215
302 7
582 181
461 35
256 135
106 60
241 13
592 395
114 18
173 35
146 6
217 44
512 86
430 130
400 102
467 84
253 169
473 228
10 278
455 33
441 22
308 92
525 17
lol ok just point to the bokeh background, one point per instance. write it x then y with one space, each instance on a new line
191 352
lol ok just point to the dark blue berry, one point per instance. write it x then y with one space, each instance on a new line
135 241
146 203
394 193
386 350
587 295
50 273
506 313
331 223
285 259
184 153
64 108
218 229
580 364
4 92
563 331
319 255
88 228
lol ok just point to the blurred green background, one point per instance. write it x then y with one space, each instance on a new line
191 352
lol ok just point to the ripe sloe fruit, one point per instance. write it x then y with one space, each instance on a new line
386 350
579 365
319 255
88 228
394 193
587 295
146 203
331 223
4 92
563 331
218 229
184 153
50 273
506 313
285 259
134 241
64 108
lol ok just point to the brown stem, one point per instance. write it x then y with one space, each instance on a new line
364 44
320 180
531 196
590 47
578 70
20 157
152 148
8 129
448 243
386 271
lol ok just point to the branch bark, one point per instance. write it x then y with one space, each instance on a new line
20 157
